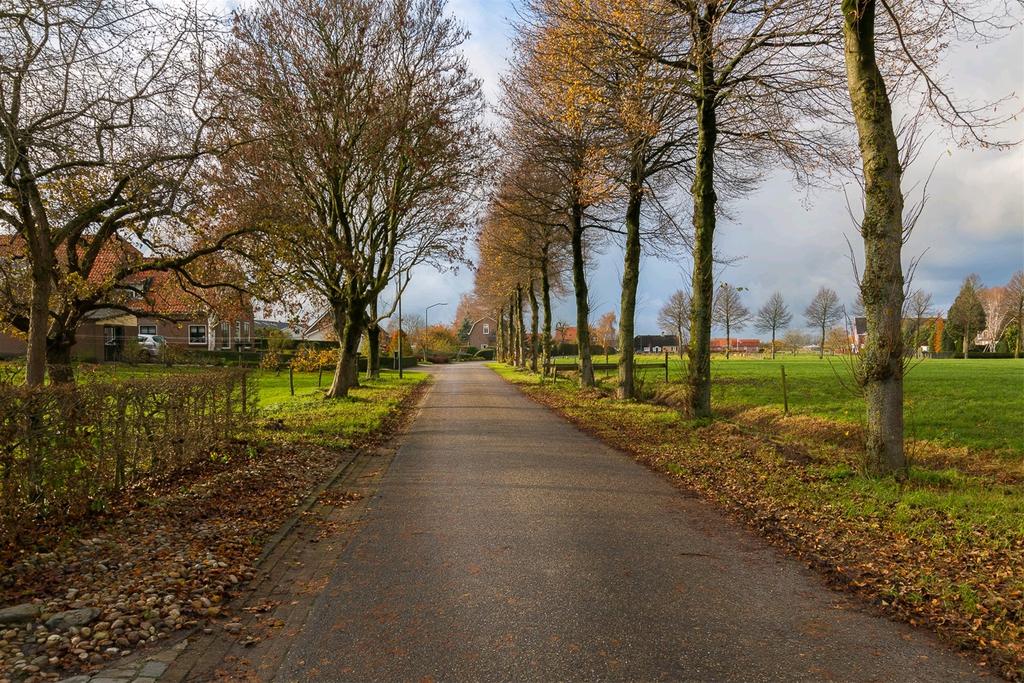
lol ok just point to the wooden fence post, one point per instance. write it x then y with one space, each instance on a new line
320 377
666 366
785 392
291 379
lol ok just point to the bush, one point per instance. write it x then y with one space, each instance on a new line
311 358
485 354
65 450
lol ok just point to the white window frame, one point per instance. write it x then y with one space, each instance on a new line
206 335
246 332
225 330
487 328
147 327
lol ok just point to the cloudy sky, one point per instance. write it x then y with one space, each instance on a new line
788 239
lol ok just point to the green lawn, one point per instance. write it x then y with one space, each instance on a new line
308 417
977 403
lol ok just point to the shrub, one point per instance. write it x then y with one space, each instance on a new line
485 354
65 450
311 359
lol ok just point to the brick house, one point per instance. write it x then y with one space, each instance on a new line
156 302
656 343
736 345
484 333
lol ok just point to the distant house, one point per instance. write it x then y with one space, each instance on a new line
736 345
484 333
322 329
564 334
656 343
150 303
932 344
262 327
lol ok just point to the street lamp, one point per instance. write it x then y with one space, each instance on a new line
426 322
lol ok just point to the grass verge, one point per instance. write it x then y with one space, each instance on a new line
943 549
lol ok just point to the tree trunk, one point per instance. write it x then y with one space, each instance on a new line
521 331
58 360
704 201
773 343
373 343
545 286
630 282
967 336
882 230
38 321
821 344
349 330
534 325
679 341
579 281
728 341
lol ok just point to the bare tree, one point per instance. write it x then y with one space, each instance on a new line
729 312
370 147
794 340
823 312
996 303
674 316
605 331
919 307
105 113
773 316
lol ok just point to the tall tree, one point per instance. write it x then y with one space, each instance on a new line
773 316
370 147
906 39
751 72
729 312
966 317
550 114
674 316
996 303
823 312
1015 296
105 112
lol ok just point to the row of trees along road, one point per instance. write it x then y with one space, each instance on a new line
313 154
617 103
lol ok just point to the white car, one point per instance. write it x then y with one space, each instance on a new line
152 343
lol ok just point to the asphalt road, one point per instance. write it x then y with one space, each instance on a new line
505 545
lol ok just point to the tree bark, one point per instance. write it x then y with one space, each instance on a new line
821 344
534 325
728 341
58 360
704 201
579 281
348 325
38 320
373 343
520 329
773 343
545 286
882 230
630 282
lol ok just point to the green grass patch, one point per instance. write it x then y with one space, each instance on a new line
338 423
977 403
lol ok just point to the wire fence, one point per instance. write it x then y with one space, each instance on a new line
66 449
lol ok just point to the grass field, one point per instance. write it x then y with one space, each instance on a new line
977 403
308 417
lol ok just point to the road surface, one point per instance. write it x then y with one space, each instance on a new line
505 545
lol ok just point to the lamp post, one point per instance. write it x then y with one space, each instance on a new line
426 322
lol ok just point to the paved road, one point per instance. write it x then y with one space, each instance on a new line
505 545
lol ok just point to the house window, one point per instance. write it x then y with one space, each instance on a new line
197 334
147 329
245 332
487 328
225 333
238 331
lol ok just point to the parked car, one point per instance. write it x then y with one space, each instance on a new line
152 344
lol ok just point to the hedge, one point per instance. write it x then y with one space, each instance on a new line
66 449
